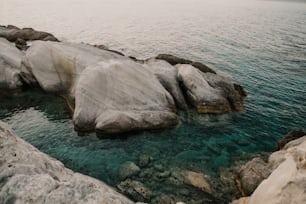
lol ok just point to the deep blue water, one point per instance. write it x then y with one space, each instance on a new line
262 44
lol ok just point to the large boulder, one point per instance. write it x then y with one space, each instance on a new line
167 75
292 135
207 92
118 96
10 63
111 93
29 176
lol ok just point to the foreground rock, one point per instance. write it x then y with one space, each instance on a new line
287 182
29 176
10 65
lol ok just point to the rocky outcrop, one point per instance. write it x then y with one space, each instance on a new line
111 93
10 65
207 92
167 75
29 176
20 36
12 33
287 182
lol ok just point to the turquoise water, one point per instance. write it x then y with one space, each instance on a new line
262 44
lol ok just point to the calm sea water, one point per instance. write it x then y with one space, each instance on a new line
262 44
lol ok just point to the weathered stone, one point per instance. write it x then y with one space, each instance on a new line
167 75
144 160
12 33
135 189
29 176
197 180
163 199
10 65
128 169
287 182
292 135
173 60
251 175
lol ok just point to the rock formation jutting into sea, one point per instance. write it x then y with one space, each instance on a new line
111 93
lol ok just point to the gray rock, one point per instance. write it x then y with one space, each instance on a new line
201 94
127 170
10 65
13 33
144 160
136 190
197 180
292 135
251 175
173 60
167 75
29 176
164 199
287 182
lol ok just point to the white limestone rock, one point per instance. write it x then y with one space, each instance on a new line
30 176
57 65
121 96
200 93
10 63
287 183
167 75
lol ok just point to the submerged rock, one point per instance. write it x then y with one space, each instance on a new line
128 169
197 180
29 176
10 65
136 190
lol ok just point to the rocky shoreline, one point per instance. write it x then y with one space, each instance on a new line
109 92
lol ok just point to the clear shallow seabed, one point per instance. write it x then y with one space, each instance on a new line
262 44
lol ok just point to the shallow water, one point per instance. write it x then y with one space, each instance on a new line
260 43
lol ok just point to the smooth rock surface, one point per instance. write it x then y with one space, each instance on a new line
10 65
167 75
201 92
287 182
29 176
197 180
120 97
